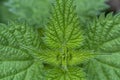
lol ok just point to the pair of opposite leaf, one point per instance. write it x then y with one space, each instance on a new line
68 50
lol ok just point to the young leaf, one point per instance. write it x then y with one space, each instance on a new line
53 57
17 63
63 28
79 57
74 73
50 57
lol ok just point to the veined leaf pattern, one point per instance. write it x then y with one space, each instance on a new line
70 54
104 38
63 27
17 63
104 34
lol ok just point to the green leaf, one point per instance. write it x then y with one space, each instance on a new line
104 34
104 38
17 63
74 73
17 34
63 27
50 57
79 57
104 68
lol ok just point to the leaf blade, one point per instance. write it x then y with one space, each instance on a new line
63 28
104 68
17 63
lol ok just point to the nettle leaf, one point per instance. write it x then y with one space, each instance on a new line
74 73
104 34
17 34
50 57
104 38
104 68
17 63
63 27
63 35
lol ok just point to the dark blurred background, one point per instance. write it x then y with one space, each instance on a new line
114 6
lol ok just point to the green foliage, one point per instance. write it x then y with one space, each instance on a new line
104 38
5 15
63 27
74 73
74 57
17 63
33 11
105 67
104 34
63 50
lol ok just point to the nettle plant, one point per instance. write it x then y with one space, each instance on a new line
66 51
